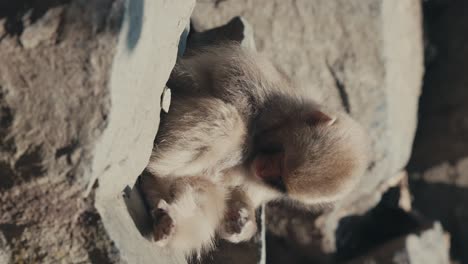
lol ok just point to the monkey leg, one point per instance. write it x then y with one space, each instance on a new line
196 136
185 211
156 192
163 223
239 220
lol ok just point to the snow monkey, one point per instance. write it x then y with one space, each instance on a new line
238 134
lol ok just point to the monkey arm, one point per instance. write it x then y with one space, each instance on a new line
197 135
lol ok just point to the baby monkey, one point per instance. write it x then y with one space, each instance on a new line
239 130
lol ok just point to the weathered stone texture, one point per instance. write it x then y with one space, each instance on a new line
54 74
79 102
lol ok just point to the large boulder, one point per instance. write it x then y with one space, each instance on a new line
365 57
80 85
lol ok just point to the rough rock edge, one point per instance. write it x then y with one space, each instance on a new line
146 53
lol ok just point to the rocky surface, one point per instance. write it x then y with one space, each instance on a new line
427 246
352 55
438 194
79 103
80 86
56 60
298 238
439 164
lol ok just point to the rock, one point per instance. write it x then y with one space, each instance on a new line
5 254
462 173
141 68
42 29
448 204
440 193
439 163
427 246
80 84
356 233
364 57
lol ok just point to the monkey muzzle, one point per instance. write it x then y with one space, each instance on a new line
270 168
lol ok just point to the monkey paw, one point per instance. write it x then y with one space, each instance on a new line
163 224
238 226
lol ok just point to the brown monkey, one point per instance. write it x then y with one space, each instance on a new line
237 121
322 152
184 189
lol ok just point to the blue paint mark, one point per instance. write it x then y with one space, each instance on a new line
183 40
135 20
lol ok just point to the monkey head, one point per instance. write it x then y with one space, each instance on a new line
312 157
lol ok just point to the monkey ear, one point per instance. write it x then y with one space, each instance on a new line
319 118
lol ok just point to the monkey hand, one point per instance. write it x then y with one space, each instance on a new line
238 225
163 224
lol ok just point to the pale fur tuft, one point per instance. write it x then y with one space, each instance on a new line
197 214
199 135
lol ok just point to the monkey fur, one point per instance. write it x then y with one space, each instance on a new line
238 134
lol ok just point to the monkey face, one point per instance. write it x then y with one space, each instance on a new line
312 159
270 168
268 164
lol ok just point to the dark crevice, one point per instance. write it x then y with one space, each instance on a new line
60 28
92 228
441 135
358 234
67 151
138 209
7 176
218 2
12 231
6 116
233 31
341 89
14 11
30 164
448 204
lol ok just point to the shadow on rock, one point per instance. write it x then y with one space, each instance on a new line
448 204
358 234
